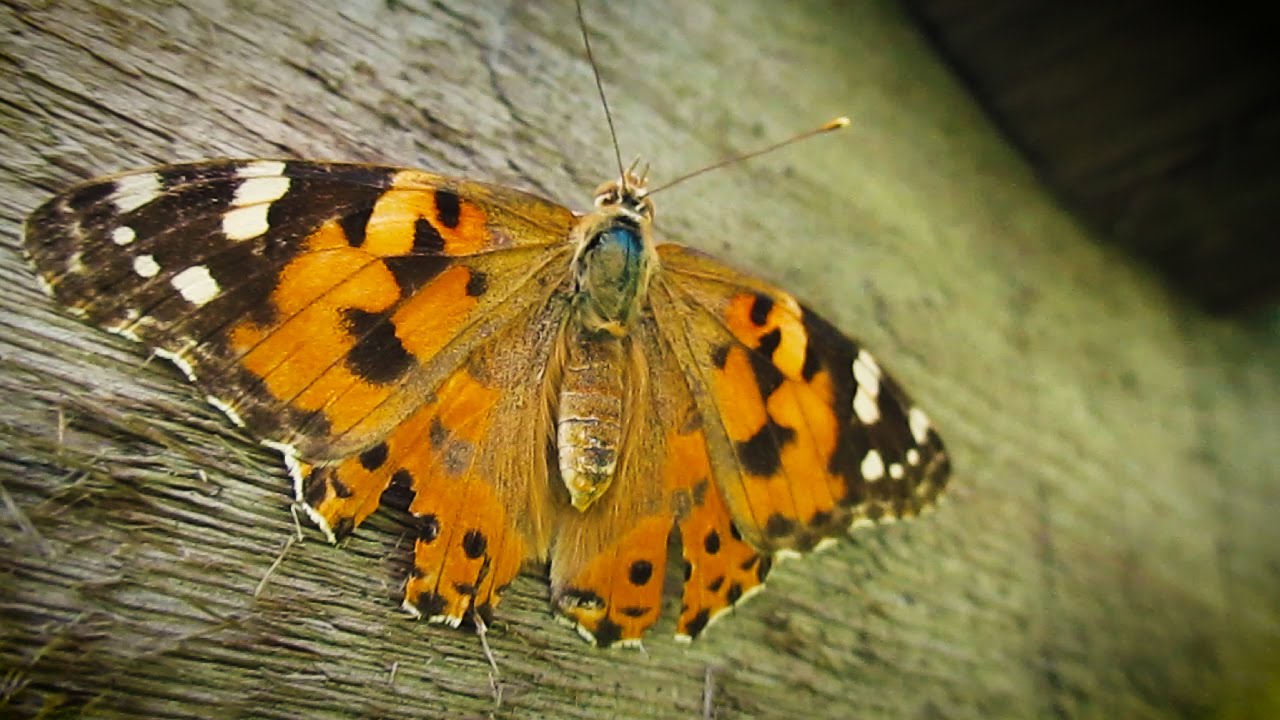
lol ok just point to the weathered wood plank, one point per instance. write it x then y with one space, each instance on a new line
1107 551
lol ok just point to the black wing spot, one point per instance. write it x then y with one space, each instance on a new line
314 492
474 544
448 208
354 225
811 362
734 594
715 585
634 611
343 528
402 478
465 589
767 375
378 355
779 526
711 543
575 597
340 489
698 623
762 454
640 572
688 570
607 632
477 284
769 342
734 532
438 433
428 528
820 519
427 239
760 309
370 460
700 492
431 604
413 271
720 356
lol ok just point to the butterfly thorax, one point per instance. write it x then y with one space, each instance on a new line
614 259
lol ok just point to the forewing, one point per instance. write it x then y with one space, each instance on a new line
314 303
808 436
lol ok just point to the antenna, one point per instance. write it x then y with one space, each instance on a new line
826 127
595 70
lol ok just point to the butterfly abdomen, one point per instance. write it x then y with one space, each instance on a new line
589 414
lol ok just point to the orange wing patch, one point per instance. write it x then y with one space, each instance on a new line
617 596
416 197
720 569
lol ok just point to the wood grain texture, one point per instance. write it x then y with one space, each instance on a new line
1108 548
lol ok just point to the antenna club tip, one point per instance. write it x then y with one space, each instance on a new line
836 124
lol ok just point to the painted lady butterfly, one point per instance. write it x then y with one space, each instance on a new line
548 385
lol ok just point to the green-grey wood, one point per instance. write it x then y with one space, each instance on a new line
1108 548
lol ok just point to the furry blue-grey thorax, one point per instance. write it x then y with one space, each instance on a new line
615 257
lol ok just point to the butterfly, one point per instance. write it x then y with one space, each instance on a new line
549 386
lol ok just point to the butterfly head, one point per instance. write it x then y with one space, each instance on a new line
615 255
629 193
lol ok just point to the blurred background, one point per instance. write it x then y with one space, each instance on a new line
1157 124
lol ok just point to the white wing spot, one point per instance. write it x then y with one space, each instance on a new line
227 410
146 266
919 425
123 235
245 223
872 466
865 406
913 456
825 544
263 184
196 285
867 373
134 191
861 522
178 360
258 190
413 611
124 330
896 471
261 168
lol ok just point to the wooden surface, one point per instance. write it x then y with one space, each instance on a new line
1109 548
